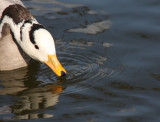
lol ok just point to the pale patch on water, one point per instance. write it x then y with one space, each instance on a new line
106 44
93 28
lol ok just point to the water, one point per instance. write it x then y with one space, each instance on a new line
110 50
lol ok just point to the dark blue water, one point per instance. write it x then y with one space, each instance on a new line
111 51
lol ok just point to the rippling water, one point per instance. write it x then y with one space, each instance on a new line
110 50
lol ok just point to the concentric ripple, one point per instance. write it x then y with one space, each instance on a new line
85 67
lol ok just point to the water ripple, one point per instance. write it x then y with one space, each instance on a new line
84 66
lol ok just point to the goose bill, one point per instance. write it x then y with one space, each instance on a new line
55 65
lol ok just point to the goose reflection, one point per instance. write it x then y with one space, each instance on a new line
32 98
12 82
36 99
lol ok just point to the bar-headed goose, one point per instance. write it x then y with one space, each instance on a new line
22 38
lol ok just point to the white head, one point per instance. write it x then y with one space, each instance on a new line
38 43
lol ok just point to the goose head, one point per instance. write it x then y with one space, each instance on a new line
39 44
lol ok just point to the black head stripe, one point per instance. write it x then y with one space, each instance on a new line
33 29
25 22
28 21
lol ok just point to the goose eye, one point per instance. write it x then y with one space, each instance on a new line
36 46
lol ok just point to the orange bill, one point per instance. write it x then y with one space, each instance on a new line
55 65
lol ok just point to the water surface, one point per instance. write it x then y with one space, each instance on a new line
110 50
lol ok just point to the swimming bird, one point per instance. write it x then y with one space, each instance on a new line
23 38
